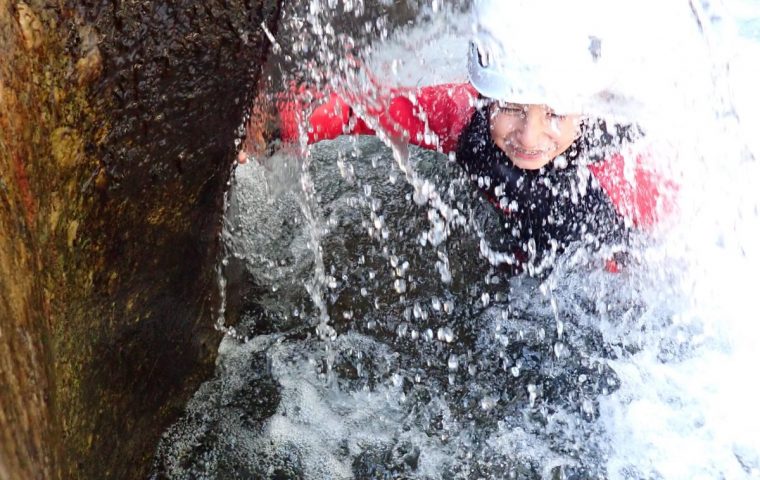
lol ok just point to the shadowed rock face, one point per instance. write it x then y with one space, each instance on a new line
117 128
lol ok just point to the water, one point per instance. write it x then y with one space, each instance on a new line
375 338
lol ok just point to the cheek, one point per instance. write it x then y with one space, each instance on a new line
565 130
501 127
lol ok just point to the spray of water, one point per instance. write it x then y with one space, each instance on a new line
381 339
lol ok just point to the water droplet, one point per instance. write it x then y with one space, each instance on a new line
448 306
587 406
486 299
560 350
402 329
488 402
428 335
325 332
436 304
532 394
445 334
453 363
443 269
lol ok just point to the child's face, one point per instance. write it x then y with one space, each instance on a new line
531 135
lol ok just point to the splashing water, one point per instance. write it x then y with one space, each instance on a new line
375 336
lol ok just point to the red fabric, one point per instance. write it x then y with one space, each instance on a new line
644 196
612 266
443 111
440 110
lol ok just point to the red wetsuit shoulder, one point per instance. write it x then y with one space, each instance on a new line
432 117
640 192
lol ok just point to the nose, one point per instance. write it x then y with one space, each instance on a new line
531 128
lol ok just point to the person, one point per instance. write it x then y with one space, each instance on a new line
522 131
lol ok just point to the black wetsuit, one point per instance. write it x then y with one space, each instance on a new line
546 209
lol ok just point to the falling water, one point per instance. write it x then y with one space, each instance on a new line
377 336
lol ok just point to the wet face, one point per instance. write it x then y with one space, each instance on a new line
531 135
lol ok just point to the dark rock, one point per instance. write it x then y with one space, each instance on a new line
117 129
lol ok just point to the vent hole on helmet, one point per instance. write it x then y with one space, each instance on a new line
483 59
595 47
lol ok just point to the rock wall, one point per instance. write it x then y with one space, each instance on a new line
117 129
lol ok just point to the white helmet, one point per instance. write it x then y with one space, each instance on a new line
540 52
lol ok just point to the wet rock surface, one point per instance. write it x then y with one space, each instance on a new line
471 378
117 129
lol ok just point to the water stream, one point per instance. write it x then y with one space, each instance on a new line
377 335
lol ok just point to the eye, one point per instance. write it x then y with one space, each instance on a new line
510 108
555 116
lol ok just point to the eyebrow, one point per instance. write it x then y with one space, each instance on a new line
524 106
503 104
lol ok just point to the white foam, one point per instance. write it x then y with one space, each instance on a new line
685 407
694 417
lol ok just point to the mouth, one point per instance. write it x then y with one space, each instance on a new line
527 154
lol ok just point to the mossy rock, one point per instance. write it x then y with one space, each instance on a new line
117 130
